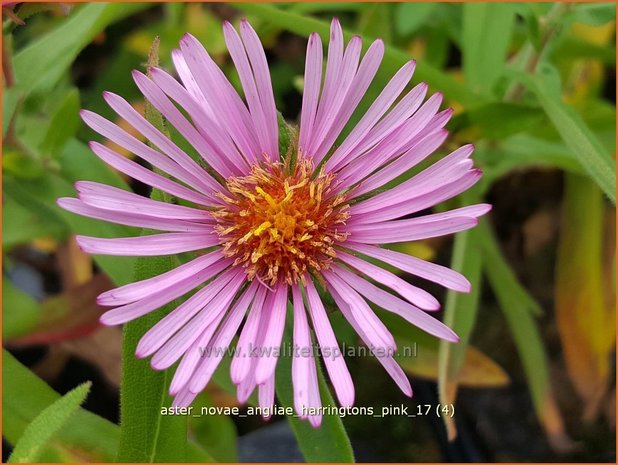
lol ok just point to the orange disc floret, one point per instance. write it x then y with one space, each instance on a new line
279 223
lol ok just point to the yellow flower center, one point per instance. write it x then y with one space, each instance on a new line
280 223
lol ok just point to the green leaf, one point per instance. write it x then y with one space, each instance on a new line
319 7
519 312
10 100
394 58
410 17
486 36
460 315
20 311
593 13
40 196
145 434
63 125
492 124
25 396
375 21
575 133
38 433
524 151
21 165
583 293
329 442
87 437
503 278
216 433
40 65
26 225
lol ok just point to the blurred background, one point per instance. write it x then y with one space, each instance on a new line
533 87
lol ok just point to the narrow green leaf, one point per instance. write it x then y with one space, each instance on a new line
490 122
533 356
20 312
593 13
523 151
25 396
10 100
503 279
145 434
486 36
39 66
575 133
409 17
216 433
87 436
38 433
519 311
375 21
394 58
329 442
63 125
460 315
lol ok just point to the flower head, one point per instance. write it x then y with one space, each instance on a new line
272 228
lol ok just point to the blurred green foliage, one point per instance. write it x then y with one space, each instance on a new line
506 69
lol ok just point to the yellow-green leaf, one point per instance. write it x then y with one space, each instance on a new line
38 433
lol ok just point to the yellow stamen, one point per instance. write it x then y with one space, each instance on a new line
281 225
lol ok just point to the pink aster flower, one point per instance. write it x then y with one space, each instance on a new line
272 228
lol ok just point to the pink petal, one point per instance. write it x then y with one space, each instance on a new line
111 198
131 219
246 387
409 230
366 72
394 304
219 141
392 121
146 176
448 169
266 395
219 343
276 324
206 321
393 369
124 139
189 82
413 294
171 323
377 109
140 289
442 275
311 93
153 245
421 202
159 100
247 79
257 57
241 363
301 362
214 85
184 399
129 312
379 335
335 364
404 163
328 108
398 142
153 135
